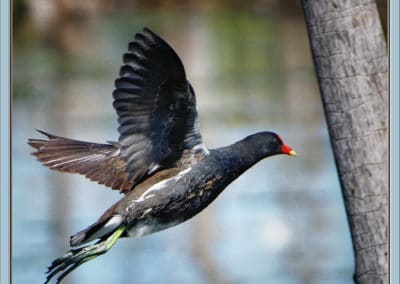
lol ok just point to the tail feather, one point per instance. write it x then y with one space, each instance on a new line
83 236
99 230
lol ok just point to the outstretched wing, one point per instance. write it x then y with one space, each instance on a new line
156 107
98 162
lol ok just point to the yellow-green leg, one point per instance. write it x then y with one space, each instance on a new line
75 257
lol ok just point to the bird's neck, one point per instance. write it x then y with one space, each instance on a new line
241 155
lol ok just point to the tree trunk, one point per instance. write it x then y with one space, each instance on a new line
350 58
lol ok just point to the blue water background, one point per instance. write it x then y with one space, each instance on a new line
283 221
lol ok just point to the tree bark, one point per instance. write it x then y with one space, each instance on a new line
350 58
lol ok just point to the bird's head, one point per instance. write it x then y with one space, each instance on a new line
270 143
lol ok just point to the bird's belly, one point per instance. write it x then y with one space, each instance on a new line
143 229
156 218
172 202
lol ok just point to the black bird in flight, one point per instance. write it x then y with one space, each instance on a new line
160 163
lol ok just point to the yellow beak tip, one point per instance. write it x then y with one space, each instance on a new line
292 153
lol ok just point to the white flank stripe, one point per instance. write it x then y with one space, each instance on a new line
182 173
160 185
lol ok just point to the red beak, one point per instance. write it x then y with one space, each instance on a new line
287 150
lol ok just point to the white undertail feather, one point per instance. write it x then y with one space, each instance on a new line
108 228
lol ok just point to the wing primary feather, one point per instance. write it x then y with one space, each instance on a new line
156 107
92 160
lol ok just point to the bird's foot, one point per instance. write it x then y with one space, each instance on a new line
75 257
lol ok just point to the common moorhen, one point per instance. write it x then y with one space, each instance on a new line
160 163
